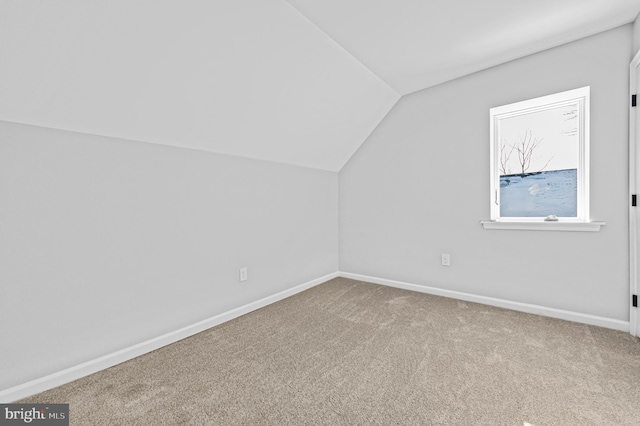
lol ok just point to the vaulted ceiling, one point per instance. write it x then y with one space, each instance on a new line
302 82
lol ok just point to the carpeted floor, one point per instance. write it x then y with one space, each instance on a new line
353 353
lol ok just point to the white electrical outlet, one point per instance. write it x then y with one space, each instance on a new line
244 274
446 259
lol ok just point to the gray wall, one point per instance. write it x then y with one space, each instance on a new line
636 34
106 243
419 186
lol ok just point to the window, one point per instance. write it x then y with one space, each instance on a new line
540 160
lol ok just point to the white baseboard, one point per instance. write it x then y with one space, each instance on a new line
501 303
73 373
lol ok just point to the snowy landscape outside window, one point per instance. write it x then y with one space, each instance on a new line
540 159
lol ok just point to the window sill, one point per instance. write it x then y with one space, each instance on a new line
544 226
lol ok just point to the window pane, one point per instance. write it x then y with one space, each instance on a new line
538 162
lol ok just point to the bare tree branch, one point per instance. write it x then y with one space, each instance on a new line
525 148
504 158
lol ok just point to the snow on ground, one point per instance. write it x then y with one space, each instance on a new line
539 195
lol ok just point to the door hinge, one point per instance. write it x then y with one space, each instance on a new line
633 100
634 303
634 200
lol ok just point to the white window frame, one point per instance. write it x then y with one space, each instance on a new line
581 222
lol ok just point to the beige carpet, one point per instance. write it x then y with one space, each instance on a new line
353 353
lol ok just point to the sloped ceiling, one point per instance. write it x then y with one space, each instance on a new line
415 44
301 82
252 78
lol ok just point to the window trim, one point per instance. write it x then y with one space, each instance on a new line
543 226
581 97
